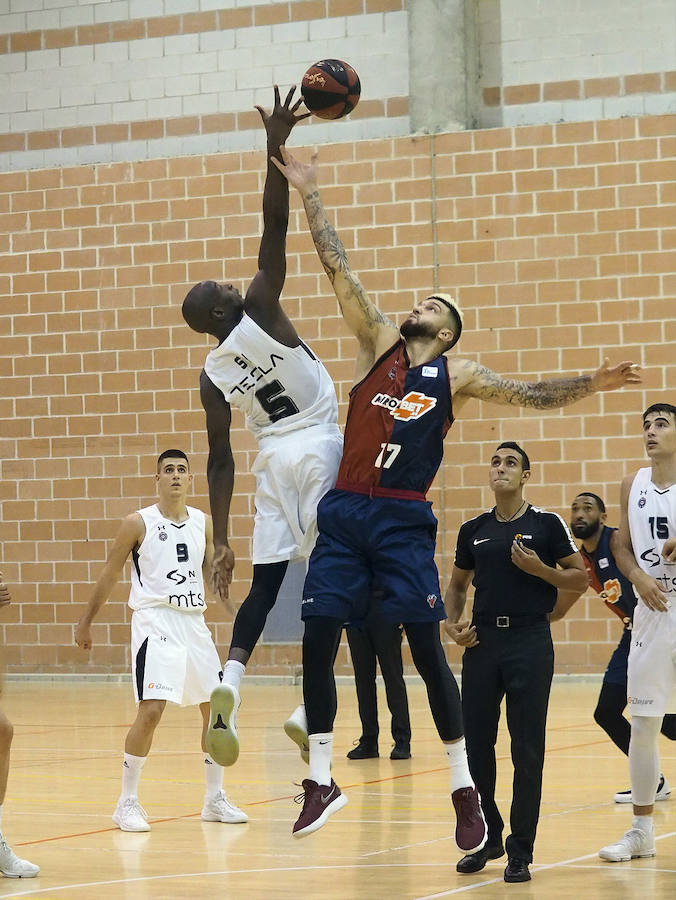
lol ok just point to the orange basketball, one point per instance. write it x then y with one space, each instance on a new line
330 89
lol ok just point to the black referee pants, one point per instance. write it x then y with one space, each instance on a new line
518 664
379 638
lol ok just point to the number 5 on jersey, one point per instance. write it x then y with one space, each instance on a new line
388 454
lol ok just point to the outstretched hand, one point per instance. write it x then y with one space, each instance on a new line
222 564
281 120
607 379
302 176
5 596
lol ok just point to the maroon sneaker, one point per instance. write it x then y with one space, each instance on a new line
470 825
320 803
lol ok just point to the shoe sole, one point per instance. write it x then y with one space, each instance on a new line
629 857
14 874
332 808
222 742
237 821
299 736
627 799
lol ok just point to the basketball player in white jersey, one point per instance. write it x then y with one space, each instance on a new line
648 558
262 367
173 656
11 865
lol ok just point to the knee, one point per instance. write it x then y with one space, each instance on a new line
645 731
150 713
6 733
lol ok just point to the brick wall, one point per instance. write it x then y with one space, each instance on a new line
559 241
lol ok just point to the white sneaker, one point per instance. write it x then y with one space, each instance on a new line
220 809
12 866
221 740
663 792
296 728
635 844
129 815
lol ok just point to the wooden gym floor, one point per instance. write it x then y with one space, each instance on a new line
393 840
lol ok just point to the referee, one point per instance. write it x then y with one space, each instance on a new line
510 554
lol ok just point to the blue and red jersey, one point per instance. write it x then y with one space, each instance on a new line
607 580
396 423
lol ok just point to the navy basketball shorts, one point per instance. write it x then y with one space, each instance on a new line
616 671
364 540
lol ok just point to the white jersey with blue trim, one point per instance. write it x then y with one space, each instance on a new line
280 389
652 520
167 565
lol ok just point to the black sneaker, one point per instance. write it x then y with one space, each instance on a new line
363 751
319 802
475 862
517 870
401 751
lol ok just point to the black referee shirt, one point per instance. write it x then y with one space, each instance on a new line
502 589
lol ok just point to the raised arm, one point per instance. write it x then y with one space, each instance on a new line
262 298
469 379
374 331
130 535
648 589
221 480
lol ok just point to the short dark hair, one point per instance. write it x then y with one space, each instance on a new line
512 445
601 505
661 407
456 316
173 454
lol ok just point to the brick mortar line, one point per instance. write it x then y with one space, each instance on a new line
578 89
184 23
160 129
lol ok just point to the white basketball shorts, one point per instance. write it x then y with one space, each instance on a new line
293 472
651 674
173 656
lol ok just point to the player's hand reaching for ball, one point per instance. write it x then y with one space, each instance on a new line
83 635
5 596
302 176
281 120
607 379
222 564
462 633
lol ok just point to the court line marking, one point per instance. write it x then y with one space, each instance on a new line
269 800
259 871
556 865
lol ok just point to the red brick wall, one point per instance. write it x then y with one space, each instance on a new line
558 240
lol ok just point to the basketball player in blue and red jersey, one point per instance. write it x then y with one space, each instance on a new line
598 543
376 524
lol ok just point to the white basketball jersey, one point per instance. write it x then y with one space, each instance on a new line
280 389
167 566
652 519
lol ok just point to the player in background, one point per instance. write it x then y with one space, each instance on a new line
262 367
173 656
377 526
598 542
11 865
646 555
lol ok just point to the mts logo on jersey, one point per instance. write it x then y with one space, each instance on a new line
412 406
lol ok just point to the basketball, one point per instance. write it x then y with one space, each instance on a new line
330 89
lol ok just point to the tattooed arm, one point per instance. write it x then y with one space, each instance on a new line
374 331
469 379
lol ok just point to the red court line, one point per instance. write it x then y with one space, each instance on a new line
65 837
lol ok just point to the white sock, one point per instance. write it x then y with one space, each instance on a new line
213 775
131 773
232 672
457 760
644 823
321 750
